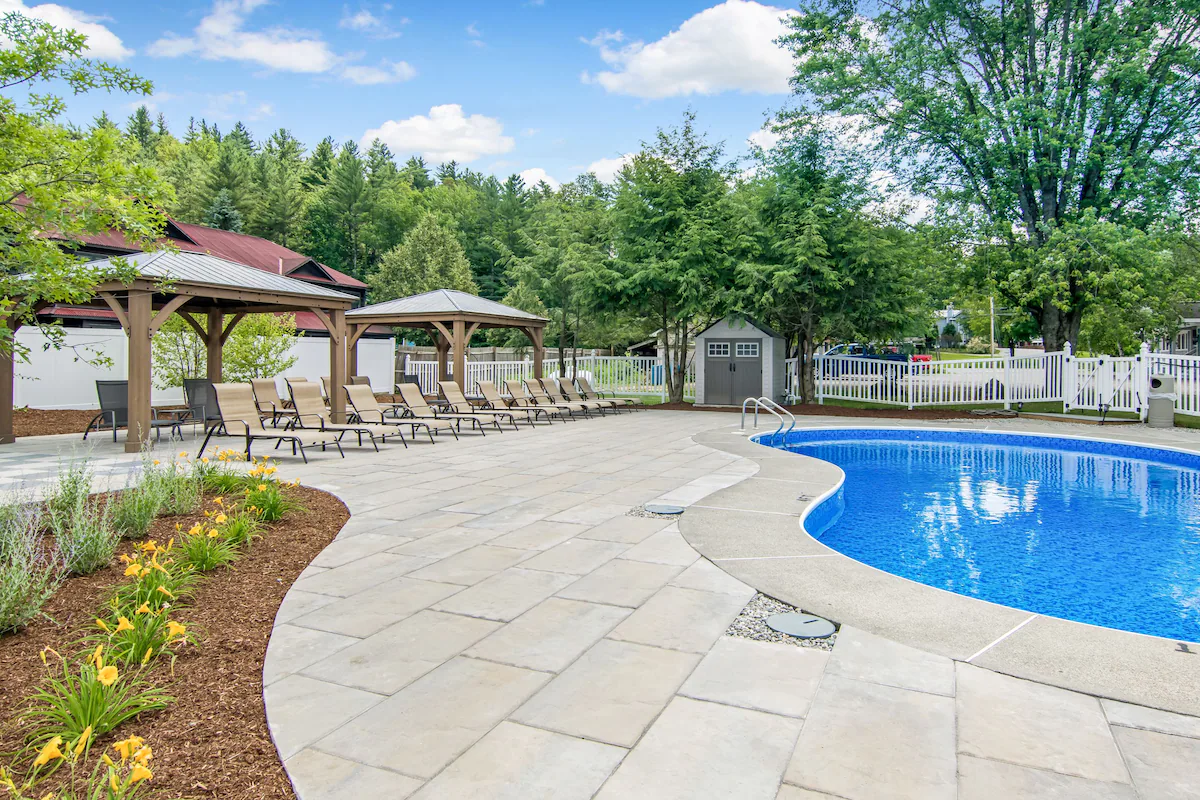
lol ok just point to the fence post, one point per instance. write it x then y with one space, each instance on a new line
908 381
1068 377
662 375
818 366
1143 389
1007 383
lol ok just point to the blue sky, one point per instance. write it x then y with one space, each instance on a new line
504 86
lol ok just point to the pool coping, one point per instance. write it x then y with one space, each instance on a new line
755 532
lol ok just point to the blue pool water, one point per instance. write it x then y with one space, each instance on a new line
1095 532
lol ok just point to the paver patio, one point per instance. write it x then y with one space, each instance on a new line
490 623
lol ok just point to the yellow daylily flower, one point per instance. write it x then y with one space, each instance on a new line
104 757
195 529
183 454
144 608
262 487
139 774
146 658
219 500
222 519
213 534
107 675
97 656
166 591
123 624
127 747
49 753
143 755
204 460
114 783
134 570
103 625
175 629
83 740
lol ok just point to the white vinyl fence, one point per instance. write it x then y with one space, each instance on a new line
626 375
1101 383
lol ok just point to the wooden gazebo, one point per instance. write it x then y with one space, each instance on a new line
221 291
451 318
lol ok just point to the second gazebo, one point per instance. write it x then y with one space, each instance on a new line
451 318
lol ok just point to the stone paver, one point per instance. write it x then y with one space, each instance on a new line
688 752
492 623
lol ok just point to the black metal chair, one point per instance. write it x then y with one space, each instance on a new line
114 410
201 402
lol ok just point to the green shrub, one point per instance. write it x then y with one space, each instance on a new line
977 346
175 484
29 574
133 640
70 492
86 539
135 509
205 550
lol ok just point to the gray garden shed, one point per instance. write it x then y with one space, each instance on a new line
738 358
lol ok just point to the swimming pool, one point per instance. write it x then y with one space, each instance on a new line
1096 532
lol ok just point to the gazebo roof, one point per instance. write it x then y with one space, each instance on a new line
445 304
180 269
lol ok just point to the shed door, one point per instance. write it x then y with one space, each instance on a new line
747 369
718 374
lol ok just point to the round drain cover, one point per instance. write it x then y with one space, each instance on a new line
802 626
659 508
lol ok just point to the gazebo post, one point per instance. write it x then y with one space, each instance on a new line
337 365
460 354
213 341
7 436
353 332
539 350
139 313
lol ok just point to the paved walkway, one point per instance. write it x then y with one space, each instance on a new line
491 623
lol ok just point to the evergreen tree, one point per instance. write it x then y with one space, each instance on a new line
348 202
223 213
241 137
161 125
430 258
320 163
447 172
381 164
140 128
417 173
102 121
231 173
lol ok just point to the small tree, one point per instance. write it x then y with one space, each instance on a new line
430 257
259 347
223 214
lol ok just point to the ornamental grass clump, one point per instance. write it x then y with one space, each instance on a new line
85 536
135 509
178 488
29 571
217 473
92 696
265 495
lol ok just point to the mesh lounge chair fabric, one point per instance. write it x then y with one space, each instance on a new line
312 413
270 404
493 399
551 390
522 399
114 410
202 406
359 399
418 407
539 397
585 386
568 391
459 404
239 417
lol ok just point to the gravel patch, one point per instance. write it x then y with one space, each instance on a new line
640 511
752 624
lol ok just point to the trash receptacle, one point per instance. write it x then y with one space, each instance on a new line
1162 402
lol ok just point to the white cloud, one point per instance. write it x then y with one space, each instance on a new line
101 42
386 72
535 175
445 135
369 24
531 131
606 169
262 111
221 36
764 138
474 36
729 47
152 102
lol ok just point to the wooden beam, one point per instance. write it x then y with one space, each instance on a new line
539 351
327 322
212 344
441 326
460 354
337 366
196 326
139 371
166 311
7 435
238 317
356 331
115 305
282 300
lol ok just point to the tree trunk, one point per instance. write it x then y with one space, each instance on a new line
674 366
1058 326
806 368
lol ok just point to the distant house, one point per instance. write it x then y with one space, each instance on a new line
1187 337
242 248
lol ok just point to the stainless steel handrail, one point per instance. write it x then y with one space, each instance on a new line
767 404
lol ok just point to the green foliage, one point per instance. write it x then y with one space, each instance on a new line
259 347
173 483
155 584
29 573
134 510
204 549
83 530
133 641
222 213
1039 130
55 178
430 258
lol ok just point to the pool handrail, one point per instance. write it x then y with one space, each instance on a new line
767 404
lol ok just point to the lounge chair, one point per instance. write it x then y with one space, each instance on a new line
492 399
585 387
414 404
569 392
458 403
239 417
538 394
552 391
368 409
270 405
311 412
202 406
522 399
114 409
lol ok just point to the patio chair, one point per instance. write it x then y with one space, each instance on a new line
114 409
360 380
270 404
552 391
492 399
311 413
458 403
568 391
416 405
202 406
538 394
239 417
585 387
366 408
522 399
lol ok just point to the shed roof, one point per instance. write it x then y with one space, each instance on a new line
200 268
448 302
742 318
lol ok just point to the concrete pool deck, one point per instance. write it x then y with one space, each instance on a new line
491 623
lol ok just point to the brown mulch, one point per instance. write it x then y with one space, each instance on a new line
47 421
212 742
816 410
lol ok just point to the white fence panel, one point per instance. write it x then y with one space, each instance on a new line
1112 383
1186 372
628 375
866 380
376 360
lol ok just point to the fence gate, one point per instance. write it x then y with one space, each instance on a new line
1105 383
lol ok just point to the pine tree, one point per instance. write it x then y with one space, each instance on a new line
140 127
348 200
417 173
241 137
431 257
161 125
222 213
319 164
231 173
447 172
102 120
381 164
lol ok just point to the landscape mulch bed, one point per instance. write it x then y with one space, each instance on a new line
816 410
48 421
213 740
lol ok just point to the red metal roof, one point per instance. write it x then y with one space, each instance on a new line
305 320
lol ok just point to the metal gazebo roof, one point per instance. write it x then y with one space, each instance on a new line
445 305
